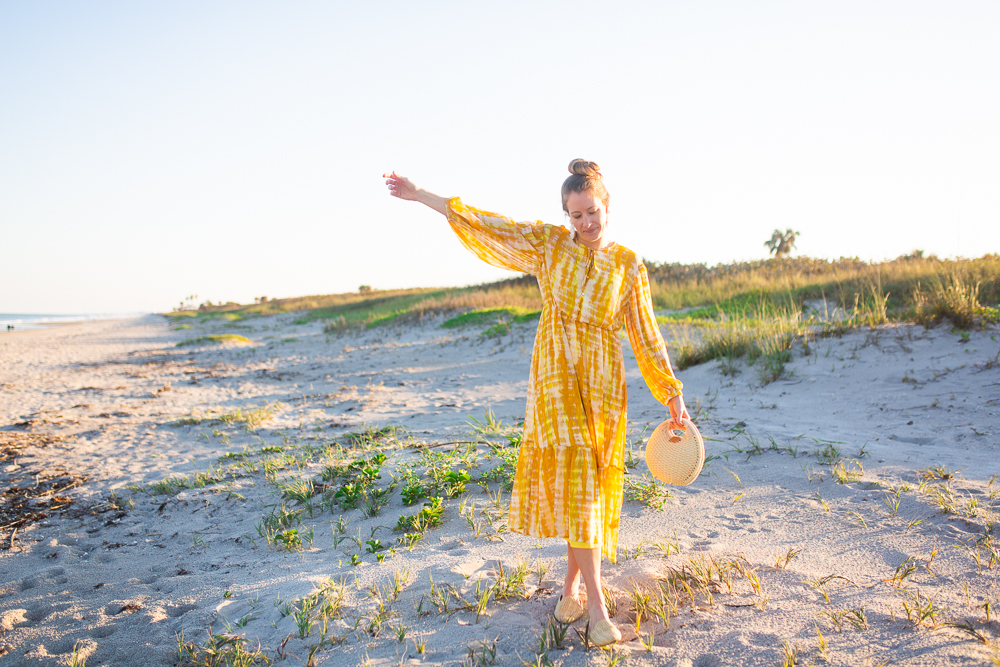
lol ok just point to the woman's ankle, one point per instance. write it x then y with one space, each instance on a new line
597 613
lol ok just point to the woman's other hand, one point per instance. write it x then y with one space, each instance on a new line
400 186
678 412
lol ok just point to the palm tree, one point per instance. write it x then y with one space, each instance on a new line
781 244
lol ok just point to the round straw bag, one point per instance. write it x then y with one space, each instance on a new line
675 459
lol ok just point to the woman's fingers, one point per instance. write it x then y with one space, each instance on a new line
394 183
400 186
678 412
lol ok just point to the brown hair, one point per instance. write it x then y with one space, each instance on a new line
586 177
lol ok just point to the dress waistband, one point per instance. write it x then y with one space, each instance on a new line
592 325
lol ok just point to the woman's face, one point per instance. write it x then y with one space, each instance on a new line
589 217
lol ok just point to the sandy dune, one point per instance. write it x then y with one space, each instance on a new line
120 576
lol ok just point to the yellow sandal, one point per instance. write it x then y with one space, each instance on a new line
567 610
603 633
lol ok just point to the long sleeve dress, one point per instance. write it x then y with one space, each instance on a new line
570 471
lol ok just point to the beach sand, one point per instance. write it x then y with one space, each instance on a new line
118 573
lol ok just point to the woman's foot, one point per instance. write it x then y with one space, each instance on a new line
568 609
597 613
602 632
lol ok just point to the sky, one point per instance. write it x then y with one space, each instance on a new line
151 151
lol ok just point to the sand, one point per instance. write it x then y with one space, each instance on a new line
119 577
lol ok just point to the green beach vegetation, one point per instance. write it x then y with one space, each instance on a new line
214 339
756 310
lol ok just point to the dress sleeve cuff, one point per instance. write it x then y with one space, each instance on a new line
452 204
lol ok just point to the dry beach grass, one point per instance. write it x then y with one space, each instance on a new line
319 494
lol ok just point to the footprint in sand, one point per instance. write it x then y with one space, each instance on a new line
179 610
102 631
707 661
43 612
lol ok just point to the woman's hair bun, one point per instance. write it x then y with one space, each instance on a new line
585 168
585 176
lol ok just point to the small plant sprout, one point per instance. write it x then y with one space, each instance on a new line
829 454
541 567
826 508
939 472
303 617
835 617
892 504
857 618
399 581
77 657
509 581
735 476
786 558
615 657
987 608
482 598
968 628
903 570
860 520
921 610
661 604
845 474
481 654
245 619
610 599
218 649
551 637
640 603
821 644
648 491
790 651
821 585
555 635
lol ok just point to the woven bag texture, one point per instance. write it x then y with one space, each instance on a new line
673 459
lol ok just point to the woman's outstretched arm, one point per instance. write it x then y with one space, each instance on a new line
494 238
404 188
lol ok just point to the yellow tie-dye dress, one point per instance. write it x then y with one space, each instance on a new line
570 471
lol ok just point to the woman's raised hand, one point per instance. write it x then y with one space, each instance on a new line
404 188
400 186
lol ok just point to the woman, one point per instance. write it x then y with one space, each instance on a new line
570 470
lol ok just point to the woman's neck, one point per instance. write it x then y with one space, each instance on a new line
599 244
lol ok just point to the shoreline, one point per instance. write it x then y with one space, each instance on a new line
63 326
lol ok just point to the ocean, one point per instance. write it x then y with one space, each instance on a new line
21 321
